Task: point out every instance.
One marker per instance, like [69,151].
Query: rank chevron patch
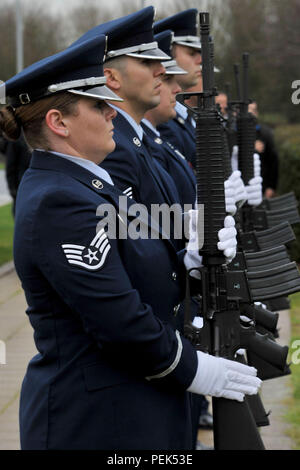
[92,257]
[128,192]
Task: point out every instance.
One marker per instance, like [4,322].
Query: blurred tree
[43,35]
[7,41]
[267,29]
[82,18]
[283,50]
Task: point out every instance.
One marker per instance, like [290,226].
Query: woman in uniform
[111,371]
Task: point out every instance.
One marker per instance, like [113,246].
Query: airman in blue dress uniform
[111,371]
[186,49]
[134,71]
[169,156]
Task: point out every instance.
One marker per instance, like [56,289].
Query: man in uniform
[134,71]
[169,156]
[186,49]
[180,131]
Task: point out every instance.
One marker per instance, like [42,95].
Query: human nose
[177,88]
[198,58]
[158,69]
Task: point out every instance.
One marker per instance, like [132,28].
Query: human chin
[155,101]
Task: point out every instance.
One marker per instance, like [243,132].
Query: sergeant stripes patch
[128,192]
[95,254]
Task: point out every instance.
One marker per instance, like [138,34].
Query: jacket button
[174,276]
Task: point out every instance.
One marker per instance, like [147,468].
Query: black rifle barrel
[209,156]
[237,81]
[246,129]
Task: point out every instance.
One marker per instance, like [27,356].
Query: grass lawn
[2,166]
[6,234]
[293,415]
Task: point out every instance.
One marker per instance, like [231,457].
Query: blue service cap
[131,35]
[184,26]
[164,41]
[78,70]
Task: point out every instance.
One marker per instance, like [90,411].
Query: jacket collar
[48,161]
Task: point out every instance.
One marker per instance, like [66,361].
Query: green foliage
[6,234]
[273,120]
[293,415]
[288,143]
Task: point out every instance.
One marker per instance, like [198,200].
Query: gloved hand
[234,158]
[239,187]
[229,192]
[235,163]
[227,237]
[261,305]
[227,243]
[192,259]
[221,377]
[254,191]
[256,164]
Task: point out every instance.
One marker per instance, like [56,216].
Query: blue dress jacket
[175,163]
[134,170]
[111,370]
[181,133]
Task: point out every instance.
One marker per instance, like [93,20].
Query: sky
[57,5]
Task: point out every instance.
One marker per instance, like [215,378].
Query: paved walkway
[275,394]
[17,334]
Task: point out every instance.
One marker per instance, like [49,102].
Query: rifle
[222,290]
[266,216]
[225,292]
[230,124]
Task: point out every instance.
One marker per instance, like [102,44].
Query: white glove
[192,259]
[227,243]
[261,305]
[235,162]
[198,322]
[229,192]
[239,187]
[254,191]
[257,164]
[221,377]
[227,237]
[234,158]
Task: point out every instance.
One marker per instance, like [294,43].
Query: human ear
[55,123]
[113,78]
